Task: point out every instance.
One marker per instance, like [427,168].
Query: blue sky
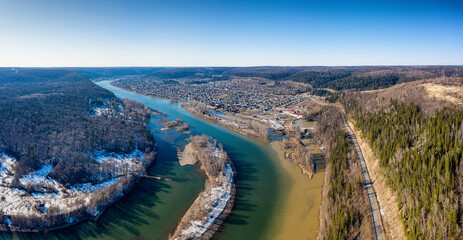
[229,33]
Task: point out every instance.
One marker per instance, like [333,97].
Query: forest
[48,117]
[210,154]
[107,72]
[422,158]
[368,78]
[188,72]
[347,212]
[337,78]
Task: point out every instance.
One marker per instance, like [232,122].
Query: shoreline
[95,218]
[210,119]
[283,199]
[213,120]
[324,204]
[87,216]
[305,171]
[142,94]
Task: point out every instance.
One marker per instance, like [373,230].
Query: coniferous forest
[422,159]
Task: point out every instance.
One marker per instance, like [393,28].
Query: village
[232,102]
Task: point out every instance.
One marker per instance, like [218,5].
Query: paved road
[375,211]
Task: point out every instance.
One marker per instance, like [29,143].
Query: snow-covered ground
[48,194]
[6,166]
[215,200]
[122,163]
[39,178]
[105,109]
[100,111]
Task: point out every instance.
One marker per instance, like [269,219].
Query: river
[270,190]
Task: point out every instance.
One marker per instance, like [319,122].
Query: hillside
[188,72]
[272,73]
[106,72]
[429,94]
[363,78]
[416,133]
[319,77]
[63,135]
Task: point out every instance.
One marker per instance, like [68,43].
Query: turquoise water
[153,208]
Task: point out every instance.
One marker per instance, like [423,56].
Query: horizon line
[245,66]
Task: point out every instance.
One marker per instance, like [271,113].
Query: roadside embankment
[385,195]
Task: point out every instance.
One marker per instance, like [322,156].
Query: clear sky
[229,33]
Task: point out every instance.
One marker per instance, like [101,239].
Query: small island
[178,123]
[214,203]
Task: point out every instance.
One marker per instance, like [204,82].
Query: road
[374,206]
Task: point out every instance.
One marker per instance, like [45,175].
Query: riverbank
[223,122]
[63,207]
[299,154]
[299,187]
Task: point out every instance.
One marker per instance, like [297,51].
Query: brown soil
[449,93]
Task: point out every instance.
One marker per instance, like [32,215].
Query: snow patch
[6,164]
[39,178]
[49,194]
[99,111]
[216,201]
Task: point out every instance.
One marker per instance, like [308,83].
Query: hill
[188,72]
[337,78]
[415,130]
[105,72]
[63,138]
[368,78]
